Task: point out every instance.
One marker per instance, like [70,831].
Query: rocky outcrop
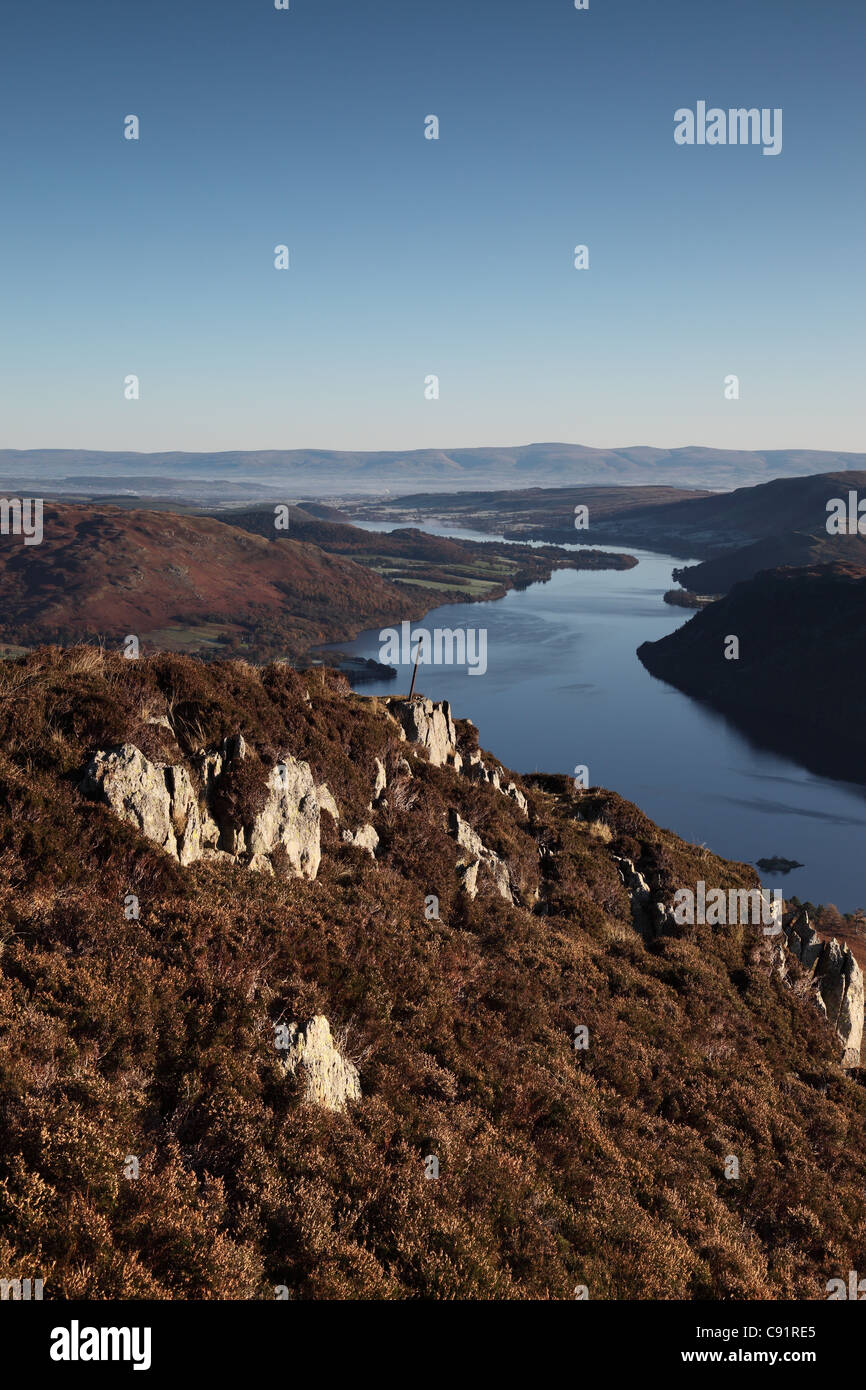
[431,726]
[474,856]
[428,724]
[158,800]
[364,837]
[478,771]
[290,820]
[838,981]
[329,1080]
[161,801]
[650,915]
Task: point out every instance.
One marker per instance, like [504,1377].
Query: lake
[563,687]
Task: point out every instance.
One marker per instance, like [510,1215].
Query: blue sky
[411,257]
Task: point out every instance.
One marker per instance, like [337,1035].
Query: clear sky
[412,257]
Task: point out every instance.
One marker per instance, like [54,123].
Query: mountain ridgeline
[355,472]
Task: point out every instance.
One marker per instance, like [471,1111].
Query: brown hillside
[103,571]
[154,1037]
[195,583]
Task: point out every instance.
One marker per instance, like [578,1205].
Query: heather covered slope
[154,1037]
[801,667]
[103,572]
[451,570]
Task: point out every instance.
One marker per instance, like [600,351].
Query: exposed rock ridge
[838,981]
[161,801]
[430,724]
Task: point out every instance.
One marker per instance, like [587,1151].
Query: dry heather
[154,1037]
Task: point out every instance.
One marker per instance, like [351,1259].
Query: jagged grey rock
[160,800]
[650,915]
[478,771]
[136,791]
[468,876]
[839,993]
[428,724]
[466,837]
[329,1079]
[803,941]
[474,854]
[290,818]
[327,802]
[380,781]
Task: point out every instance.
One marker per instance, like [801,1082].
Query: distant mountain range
[335,472]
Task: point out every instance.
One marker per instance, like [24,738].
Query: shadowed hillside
[801,670]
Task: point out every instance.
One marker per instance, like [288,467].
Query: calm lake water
[563,687]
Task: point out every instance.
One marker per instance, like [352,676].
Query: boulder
[516,794]
[290,819]
[329,1080]
[364,837]
[327,802]
[135,789]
